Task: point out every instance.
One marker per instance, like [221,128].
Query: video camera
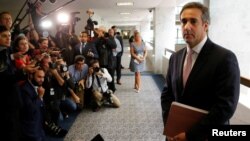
[90,23]
[74,19]
[31,6]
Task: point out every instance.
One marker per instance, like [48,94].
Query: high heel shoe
[137,90]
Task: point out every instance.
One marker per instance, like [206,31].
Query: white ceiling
[110,12]
[106,9]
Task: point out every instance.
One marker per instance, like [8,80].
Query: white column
[145,30]
[138,27]
[164,32]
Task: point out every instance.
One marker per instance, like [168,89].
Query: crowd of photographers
[44,79]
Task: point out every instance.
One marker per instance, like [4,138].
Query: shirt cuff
[12,56]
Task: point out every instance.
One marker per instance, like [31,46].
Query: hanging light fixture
[51,1]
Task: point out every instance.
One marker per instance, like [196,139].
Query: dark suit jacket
[31,113]
[10,102]
[68,55]
[104,48]
[88,47]
[213,85]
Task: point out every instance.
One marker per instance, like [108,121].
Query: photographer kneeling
[97,79]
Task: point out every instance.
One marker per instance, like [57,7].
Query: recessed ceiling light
[124,3]
[125,13]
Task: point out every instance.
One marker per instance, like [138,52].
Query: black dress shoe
[119,82]
[54,130]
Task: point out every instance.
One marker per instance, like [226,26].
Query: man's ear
[206,26]
[31,76]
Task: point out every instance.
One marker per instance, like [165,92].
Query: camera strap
[99,83]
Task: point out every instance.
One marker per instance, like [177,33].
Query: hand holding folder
[181,118]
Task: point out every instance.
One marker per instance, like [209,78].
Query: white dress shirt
[106,77]
[196,50]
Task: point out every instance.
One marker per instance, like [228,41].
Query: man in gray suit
[212,82]
[118,56]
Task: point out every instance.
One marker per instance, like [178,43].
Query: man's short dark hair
[3,28]
[205,12]
[113,26]
[84,32]
[79,58]
[92,62]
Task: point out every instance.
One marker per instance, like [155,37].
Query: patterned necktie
[188,66]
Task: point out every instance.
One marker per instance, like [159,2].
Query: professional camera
[63,68]
[52,65]
[78,87]
[108,96]
[96,69]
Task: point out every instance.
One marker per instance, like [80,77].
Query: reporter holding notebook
[202,75]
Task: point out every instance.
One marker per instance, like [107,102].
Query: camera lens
[63,68]
[96,69]
[52,65]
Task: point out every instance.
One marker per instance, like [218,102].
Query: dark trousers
[118,67]
[111,84]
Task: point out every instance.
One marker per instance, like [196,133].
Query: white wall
[164,24]
[145,30]
[230,28]
[182,2]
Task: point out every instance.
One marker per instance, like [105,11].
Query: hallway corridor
[139,117]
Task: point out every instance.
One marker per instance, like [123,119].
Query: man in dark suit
[85,48]
[214,81]
[10,101]
[32,111]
